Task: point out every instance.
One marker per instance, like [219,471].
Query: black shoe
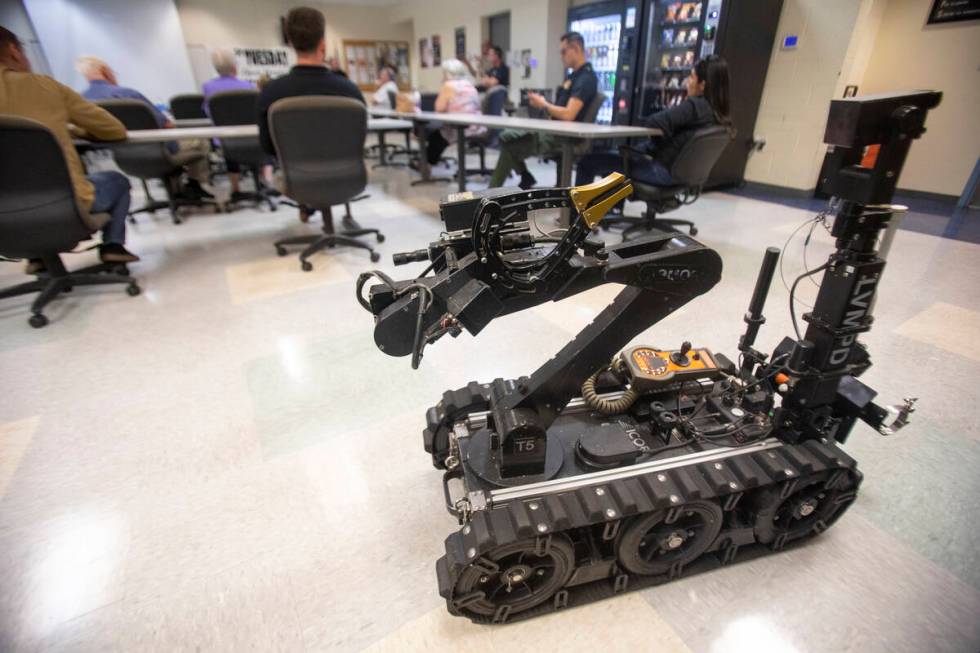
[35,266]
[116,253]
[193,190]
[239,196]
[527,181]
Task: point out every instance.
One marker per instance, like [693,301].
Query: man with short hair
[305,29]
[386,86]
[192,154]
[574,96]
[56,106]
[498,73]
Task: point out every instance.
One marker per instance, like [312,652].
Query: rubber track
[489,529]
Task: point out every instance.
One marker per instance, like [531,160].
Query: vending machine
[677,33]
[611,32]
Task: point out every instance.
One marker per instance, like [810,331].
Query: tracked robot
[612,469]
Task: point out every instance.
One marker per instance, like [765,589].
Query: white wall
[14,17]
[909,55]
[880,46]
[534,25]
[140,39]
[799,86]
[227,23]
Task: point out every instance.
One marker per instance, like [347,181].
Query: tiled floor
[227,462]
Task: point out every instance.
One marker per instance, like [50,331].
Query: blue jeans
[642,168]
[112,197]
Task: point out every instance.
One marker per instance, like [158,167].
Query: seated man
[575,94]
[305,29]
[227,80]
[386,86]
[191,153]
[499,72]
[54,105]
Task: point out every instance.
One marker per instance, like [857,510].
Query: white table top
[181,133]
[557,127]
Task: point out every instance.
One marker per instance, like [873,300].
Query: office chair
[320,143]
[238,108]
[151,160]
[188,106]
[491,105]
[584,145]
[689,171]
[40,217]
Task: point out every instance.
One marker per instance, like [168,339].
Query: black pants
[435,146]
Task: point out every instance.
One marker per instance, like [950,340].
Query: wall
[534,25]
[909,55]
[14,17]
[141,41]
[227,23]
[799,86]
[880,46]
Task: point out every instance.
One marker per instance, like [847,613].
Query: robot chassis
[603,472]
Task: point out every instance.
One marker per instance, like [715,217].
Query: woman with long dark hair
[707,103]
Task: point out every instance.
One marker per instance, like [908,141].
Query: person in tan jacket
[67,114]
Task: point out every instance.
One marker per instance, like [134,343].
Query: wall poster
[461,43]
[425,53]
[436,50]
[949,11]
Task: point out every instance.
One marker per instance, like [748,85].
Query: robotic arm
[489,263]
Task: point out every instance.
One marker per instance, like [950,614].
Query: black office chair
[238,108]
[40,217]
[320,143]
[151,160]
[189,106]
[491,105]
[689,171]
[584,145]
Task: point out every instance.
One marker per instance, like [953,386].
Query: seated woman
[457,95]
[706,104]
[386,88]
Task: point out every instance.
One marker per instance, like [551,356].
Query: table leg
[382,155]
[565,175]
[461,156]
[424,168]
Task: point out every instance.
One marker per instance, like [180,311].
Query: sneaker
[239,196]
[116,253]
[35,266]
[527,181]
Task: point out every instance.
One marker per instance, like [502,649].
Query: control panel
[657,370]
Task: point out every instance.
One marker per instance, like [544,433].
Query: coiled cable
[603,405]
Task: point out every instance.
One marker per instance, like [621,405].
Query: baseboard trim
[926,195]
[779,191]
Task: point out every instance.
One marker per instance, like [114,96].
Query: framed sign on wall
[950,11]
[363,60]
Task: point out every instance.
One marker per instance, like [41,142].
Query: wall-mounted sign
[790,41]
[949,11]
[461,43]
[253,63]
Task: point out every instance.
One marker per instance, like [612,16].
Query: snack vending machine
[611,33]
[676,33]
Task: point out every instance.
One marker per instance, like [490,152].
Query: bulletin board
[363,60]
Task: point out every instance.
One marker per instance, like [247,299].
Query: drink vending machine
[659,42]
[611,33]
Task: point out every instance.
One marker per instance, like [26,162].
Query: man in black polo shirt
[574,96]
[499,73]
[310,76]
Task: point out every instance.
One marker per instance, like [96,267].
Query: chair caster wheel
[131,220]
[67,288]
[375,257]
[273,208]
[280,251]
[37,321]
[177,220]
[694,231]
[306,265]
[132,290]
[380,237]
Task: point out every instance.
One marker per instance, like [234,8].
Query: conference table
[569,133]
